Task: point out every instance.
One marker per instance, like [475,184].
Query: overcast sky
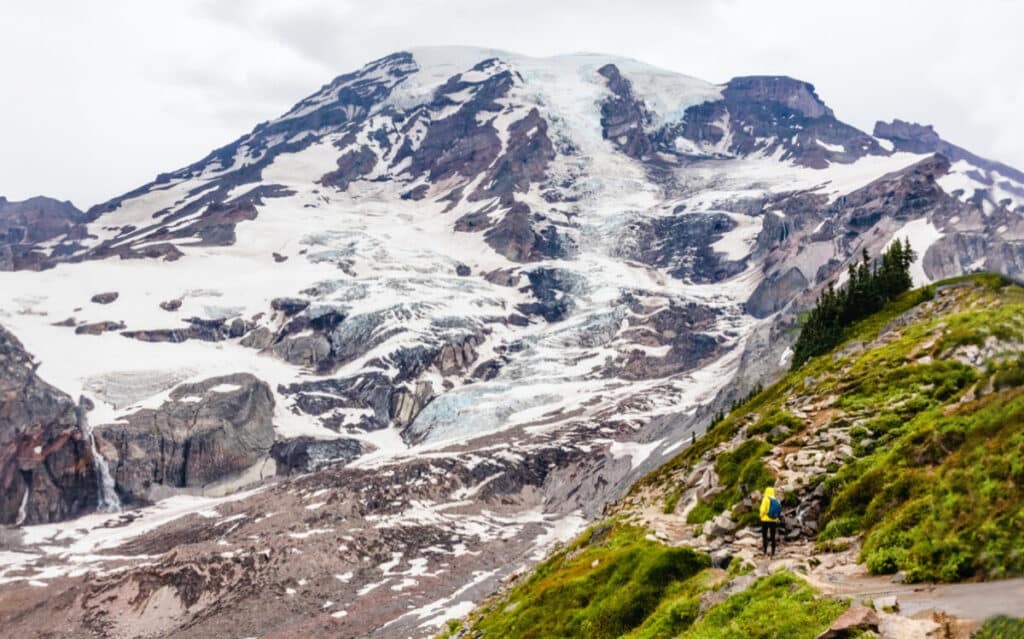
[100,96]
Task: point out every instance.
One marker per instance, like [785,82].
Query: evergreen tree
[870,285]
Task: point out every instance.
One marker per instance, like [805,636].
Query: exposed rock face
[683,246]
[772,114]
[305,454]
[207,330]
[920,138]
[46,471]
[204,433]
[775,292]
[553,290]
[624,118]
[992,181]
[25,224]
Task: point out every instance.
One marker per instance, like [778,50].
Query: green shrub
[606,587]
[1001,628]
[781,605]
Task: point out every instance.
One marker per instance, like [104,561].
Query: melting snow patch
[835,148]
[636,452]
[310,533]
[922,234]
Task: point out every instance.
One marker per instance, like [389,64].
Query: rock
[305,350]
[855,619]
[775,292]
[887,604]
[104,298]
[260,338]
[46,469]
[207,330]
[237,328]
[204,432]
[278,257]
[462,270]
[306,454]
[171,305]
[289,305]
[721,559]
[722,525]
[97,328]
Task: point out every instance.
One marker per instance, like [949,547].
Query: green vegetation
[777,427]
[778,606]
[935,483]
[607,585]
[616,583]
[941,493]
[1001,628]
[868,289]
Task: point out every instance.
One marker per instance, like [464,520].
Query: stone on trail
[856,618]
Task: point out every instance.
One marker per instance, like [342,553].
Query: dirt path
[976,601]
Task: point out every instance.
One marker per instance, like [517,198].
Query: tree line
[870,285]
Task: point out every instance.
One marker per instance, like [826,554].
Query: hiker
[771,512]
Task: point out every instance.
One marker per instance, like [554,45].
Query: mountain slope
[454,302]
[917,468]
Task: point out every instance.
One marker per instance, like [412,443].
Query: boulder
[97,328]
[260,338]
[205,432]
[104,298]
[856,619]
[289,305]
[304,350]
[721,559]
[722,525]
[46,467]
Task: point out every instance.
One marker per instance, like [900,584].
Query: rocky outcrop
[205,432]
[27,224]
[683,246]
[207,330]
[770,115]
[97,328]
[624,117]
[305,454]
[775,292]
[922,138]
[46,469]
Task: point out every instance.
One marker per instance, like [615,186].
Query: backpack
[774,508]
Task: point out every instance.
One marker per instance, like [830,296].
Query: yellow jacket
[765,501]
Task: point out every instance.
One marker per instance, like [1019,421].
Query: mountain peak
[795,94]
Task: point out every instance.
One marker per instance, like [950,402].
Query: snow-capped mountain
[478,293]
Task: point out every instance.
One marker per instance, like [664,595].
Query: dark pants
[768,529]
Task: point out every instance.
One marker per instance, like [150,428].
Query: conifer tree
[870,285]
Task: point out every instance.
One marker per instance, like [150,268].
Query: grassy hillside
[923,405]
[906,442]
[615,582]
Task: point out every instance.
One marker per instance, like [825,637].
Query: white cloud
[100,96]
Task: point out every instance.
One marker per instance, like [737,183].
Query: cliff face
[46,469]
